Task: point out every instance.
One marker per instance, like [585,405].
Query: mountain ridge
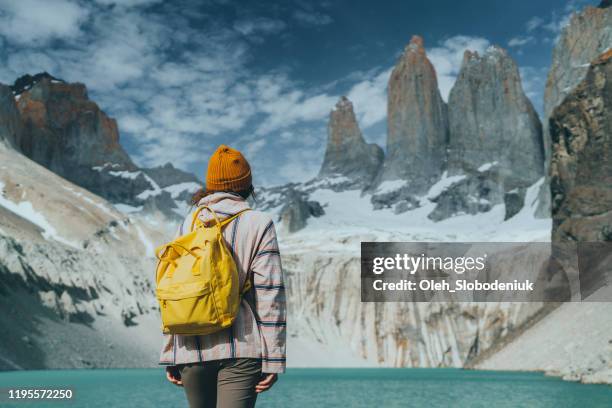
[56,124]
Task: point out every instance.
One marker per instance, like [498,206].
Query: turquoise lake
[381,388]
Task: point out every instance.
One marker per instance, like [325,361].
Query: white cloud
[134,123]
[35,61]
[533,23]
[177,89]
[253,147]
[168,147]
[447,58]
[312,18]
[557,23]
[520,41]
[128,3]
[301,165]
[259,25]
[533,80]
[284,105]
[40,21]
[174,74]
[369,99]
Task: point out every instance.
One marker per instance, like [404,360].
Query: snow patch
[442,184]
[327,181]
[127,209]
[98,205]
[105,166]
[350,219]
[156,190]
[149,247]
[25,210]
[130,175]
[176,189]
[390,186]
[487,166]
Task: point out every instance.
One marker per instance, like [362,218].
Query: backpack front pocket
[188,309]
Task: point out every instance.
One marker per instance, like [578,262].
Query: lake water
[381,388]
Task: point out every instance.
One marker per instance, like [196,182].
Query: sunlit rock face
[417,121]
[55,124]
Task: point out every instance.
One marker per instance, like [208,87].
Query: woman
[227,369]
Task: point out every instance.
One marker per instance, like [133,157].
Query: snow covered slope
[328,321]
[322,268]
[75,279]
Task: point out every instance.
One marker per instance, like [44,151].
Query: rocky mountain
[76,278]
[417,122]
[76,266]
[581,166]
[586,36]
[55,124]
[347,153]
[581,189]
[495,138]
[79,222]
[10,123]
[491,120]
[65,131]
[478,197]
[483,150]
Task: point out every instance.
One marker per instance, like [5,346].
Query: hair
[203,192]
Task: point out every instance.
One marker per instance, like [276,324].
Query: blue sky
[182,77]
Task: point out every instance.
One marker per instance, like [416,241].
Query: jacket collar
[225,204]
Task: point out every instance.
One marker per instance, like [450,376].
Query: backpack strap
[230,219]
[219,223]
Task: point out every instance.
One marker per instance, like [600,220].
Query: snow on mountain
[322,268]
[351,213]
[76,269]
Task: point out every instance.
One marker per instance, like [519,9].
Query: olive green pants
[222,383]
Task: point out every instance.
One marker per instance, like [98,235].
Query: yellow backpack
[197,280]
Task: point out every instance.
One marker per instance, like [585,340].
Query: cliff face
[10,122]
[55,124]
[323,290]
[347,153]
[491,120]
[587,35]
[70,135]
[417,121]
[75,279]
[65,131]
[573,341]
[581,166]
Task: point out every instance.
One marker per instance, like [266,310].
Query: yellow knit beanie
[228,170]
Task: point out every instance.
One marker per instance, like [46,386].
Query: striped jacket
[259,330]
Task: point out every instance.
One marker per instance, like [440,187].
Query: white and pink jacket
[260,327]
